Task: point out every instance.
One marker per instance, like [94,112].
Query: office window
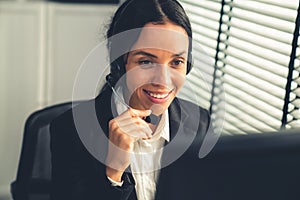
[254,44]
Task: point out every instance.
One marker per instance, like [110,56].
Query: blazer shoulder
[194,111]
[66,121]
[63,128]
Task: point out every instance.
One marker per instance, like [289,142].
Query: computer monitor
[255,166]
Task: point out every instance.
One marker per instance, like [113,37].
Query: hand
[124,130]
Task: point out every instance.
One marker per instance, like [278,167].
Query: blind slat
[196,16]
[211,5]
[198,25]
[293,124]
[252,119]
[254,81]
[239,125]
[264,42]
[271,23]
[264,9]
[248,119]
[210,50]
[207,34]
[257,72]
[258,51]
[267,65]
[261,106]
[292,5]
[271,99]
[255,28]
[230,128]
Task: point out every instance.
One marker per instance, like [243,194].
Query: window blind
[251,42]
[204,17]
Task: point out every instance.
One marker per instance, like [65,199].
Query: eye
[144,62]
[178,63]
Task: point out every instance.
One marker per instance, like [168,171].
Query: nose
[162,76]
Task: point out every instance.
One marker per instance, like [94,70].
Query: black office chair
[34,170]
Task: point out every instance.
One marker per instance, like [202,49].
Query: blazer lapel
[174,118]
[183,119]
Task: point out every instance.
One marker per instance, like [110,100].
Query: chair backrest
[34,170]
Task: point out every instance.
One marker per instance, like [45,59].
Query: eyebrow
[179,54]
[144,53]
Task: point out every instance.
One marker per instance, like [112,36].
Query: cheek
[136,77]
[179,82]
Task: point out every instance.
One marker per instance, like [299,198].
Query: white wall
[72,35]
[41,47]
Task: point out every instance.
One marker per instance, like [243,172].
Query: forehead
[168,36]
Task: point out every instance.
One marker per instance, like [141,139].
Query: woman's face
[156,66]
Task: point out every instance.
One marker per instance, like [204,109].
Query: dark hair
[134,14]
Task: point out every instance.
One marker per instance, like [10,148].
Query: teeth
[158,96]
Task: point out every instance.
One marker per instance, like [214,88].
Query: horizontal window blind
[291,117]
[251,42]
[204,17]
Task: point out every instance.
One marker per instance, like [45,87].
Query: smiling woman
[149,44]
[156,67]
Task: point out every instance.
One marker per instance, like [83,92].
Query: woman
[143,82]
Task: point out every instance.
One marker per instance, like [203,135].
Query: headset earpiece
[110,80]
[117,70]
[189,63]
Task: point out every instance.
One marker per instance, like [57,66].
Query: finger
[130,127]
[145,130]
[134,120]
[136,134]
[139,113]
[126,117]
[126,122]
[130,121]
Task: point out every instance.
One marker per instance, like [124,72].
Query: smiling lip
[157,97]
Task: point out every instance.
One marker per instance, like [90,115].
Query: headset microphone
[153,119]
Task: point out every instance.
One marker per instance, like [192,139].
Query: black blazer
[78,142]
